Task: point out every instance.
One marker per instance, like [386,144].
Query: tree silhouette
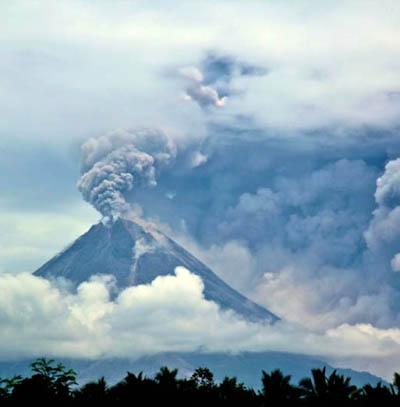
[233,393]
[376,395]
[7,386]
[50,383]
[330,390]
[167,378]
[58,374]
[132,387]
[93,392]
[395,387]
[54,384]
[277,388]
[203,377]
[167,386]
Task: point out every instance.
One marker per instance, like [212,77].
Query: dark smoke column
[114,164]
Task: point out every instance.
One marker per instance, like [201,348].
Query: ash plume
[210,83]
[114,164]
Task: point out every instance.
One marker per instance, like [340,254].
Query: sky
[265,140]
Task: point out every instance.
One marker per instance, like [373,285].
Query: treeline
[55,384]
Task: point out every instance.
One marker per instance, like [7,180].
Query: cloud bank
[170,314]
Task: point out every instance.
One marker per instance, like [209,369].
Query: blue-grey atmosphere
[200,176]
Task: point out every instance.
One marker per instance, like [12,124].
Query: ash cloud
[114,164]
[383,233]
[388,185]
[284,220]
[209,84]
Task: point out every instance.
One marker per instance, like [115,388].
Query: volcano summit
[135,253]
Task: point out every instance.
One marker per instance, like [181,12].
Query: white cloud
[196,90]
[388,185]
[334,65]
[198,159]
[170,314]
[383,233]
[325,299]
[395,263]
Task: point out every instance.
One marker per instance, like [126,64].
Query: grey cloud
[289,208]
[395,262]
[388,185]
[307,236]
[325,203]
[209,83]
[204,95]
[301,237]
[221,69]
[383,233]
[73,88]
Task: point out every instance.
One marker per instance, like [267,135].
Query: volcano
[135,253]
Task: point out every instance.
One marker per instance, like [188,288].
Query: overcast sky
[276,155]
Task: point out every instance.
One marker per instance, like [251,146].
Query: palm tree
[233,393]
[166,386]
[167,378]
[132,387]
[93,392]
[376,395]
[329,390]
[43,367]
[395,387]
[316,388]
[277,388]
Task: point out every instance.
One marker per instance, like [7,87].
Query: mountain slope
[136,253]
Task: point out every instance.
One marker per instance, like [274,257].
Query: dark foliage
[49,383]
[52,383]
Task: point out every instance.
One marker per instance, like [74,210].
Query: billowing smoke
[383,234]
[196,90]
[388,185]
[114,164]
